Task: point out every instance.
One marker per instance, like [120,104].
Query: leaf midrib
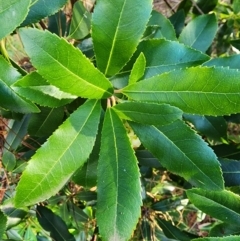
[116,159]
[216,202]
[70,71]
[114,39]
[179,91]
[5,9]
[57,161]
[207,177]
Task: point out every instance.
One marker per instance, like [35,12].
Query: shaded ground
[166,7]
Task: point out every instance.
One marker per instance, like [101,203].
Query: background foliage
[119,122]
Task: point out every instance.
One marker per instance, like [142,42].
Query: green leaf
[173,232]
[120,29]
[86,176]
[146,230]
[224,229]
[227,151]
[65,61]
[12,13]
[231,171]
[138,69]
[44,123]
[119,188]
[185,5]
[178,20]
[200,32]
[77,213]
[145,158]
[165,29]
[235,43]
[30,234]
[41,9]
[236,6]
[204,6]
[8,160]
[229,238]
[197,90]
[87,196]
[211,126]
[9,99]
[57,23]
[14,216]
[3,223]
[171,145]
[155,52]
[17,130]
[53,224]
[148,113]
[64,152]
[223,205]
[36,89]
[81,22]
[232,62]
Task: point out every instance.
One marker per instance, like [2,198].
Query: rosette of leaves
[137,80]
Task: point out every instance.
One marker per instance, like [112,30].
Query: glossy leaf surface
[228,238]
[9,99]
[178,20]
[204,6]
[44,123]
[195,166]
[41,9]
[173,232]
[161,56]
[53,224]
[211,126]
[8,160]
[138,69]
[119,188]
[223,205]
[17,130]
[200,32]
[231,171]
[35,88]
[165,28]
[12,13]
[81,22]
[57,23]
[232,62]
[120,29]
[223,229]
[64,152]
[148,113]
[197,90]
[87,175]
[64,65]
[3,223]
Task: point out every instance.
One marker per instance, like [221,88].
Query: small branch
[118,91]
[196,6]
[108,103]
[167,3]
[113,100]
[43,25]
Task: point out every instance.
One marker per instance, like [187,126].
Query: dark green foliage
[126,126]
